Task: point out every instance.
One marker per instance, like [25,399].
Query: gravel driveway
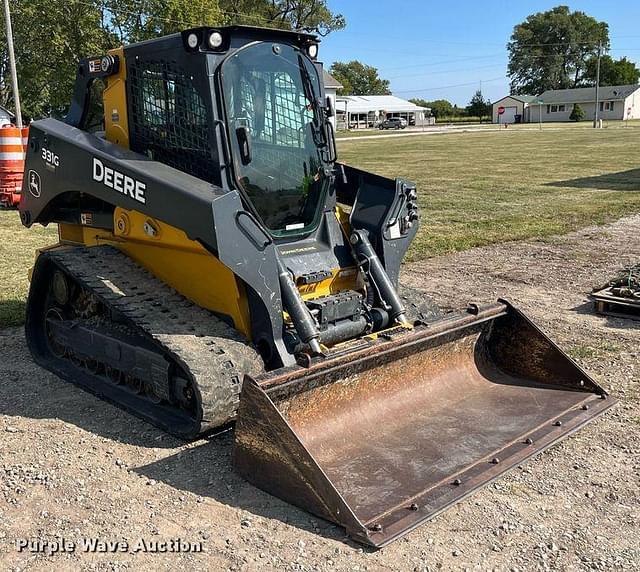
[72,467]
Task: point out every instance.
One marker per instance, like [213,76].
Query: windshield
[271,95]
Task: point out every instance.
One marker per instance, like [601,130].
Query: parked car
[393,123]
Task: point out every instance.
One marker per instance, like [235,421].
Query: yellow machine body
[172,257]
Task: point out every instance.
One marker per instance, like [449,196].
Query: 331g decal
[50,158]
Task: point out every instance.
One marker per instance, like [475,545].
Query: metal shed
[362,111]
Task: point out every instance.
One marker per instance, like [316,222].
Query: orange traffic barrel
[13,146]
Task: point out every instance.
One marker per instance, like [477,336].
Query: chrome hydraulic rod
[377,275]
[300,316]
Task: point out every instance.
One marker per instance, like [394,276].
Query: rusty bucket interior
[384,438]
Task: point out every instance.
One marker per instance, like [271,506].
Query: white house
[615,102]
[5,116]
[331,86]
[361,111]
[514,106]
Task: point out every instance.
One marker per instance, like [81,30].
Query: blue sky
[428,49]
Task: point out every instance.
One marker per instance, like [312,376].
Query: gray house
[615,102]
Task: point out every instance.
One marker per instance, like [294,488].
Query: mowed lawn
[480,188]
[17,252]
[474,189]
[446,125]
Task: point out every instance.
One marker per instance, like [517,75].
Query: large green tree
[308,15]
[49,39]
[125,19]
[550,50]
[359,79]
[135,20]
[612,72]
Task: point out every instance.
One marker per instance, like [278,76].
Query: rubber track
[214,354]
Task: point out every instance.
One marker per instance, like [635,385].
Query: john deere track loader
[216,263]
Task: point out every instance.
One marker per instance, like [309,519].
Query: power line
[455,70]
[464,43]
[449,86]
[431,65]
[489,66]
[465,57]
[461,59]
[545,44]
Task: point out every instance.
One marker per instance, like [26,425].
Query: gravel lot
[73,467]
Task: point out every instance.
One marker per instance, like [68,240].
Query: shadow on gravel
[612,321]
[622,181]
[27,390]
[206,470]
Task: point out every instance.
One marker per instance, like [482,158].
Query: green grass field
[17,252]
[481,188]
[343,134]
[474,189]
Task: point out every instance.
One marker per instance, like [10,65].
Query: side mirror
[244,143]
[330,111]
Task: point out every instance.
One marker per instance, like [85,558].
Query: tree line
[478,107]
[50,37]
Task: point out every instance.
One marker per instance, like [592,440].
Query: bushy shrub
[577,114]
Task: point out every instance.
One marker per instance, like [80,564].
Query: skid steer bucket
[381,439]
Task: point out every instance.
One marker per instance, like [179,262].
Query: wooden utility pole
[12,65]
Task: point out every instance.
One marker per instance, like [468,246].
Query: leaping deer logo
[35,187]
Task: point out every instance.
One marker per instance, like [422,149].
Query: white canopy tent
[361,111]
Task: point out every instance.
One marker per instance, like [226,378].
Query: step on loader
[216,263]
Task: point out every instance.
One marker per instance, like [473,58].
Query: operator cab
[259,91]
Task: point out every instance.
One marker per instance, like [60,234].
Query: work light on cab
[192,40]
[215,40]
